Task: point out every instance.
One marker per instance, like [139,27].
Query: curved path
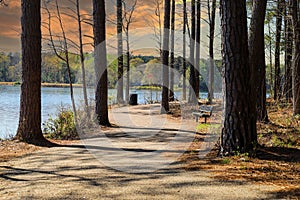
[137,160]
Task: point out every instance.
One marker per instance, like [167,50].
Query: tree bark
[296,59]
[29,129]
[288,91]
[257,59]
[127,68]
[271,62]
[239,128]
[211,73]
[197,57]
[277,49]
[192,90]
[100,62]
[120,97]
[165,59]
[296,72]
[172,59]
[184,51]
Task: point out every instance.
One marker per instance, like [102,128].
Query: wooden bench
[204,111]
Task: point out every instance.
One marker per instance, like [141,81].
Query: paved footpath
[137,160]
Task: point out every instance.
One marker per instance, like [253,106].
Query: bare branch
[3,3]
[128,15]
[50,33]
[87,21]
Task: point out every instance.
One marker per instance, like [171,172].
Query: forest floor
[277,160]
[73,171]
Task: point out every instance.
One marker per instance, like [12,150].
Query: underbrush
[277,160]
[62,126]
[283,130]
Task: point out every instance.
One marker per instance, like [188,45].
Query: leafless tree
[156,21]
[78,47]
[127,21]
[82,58]
[3,3]
[61,48]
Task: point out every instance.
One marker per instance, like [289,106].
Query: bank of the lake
[56,85]
[52,99]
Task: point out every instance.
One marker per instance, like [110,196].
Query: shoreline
[57,85]
[67,85]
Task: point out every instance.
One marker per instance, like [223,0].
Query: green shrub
[17,83]
[62,127]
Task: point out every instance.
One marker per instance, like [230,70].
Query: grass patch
[207,127]
[225,161]
[146,87]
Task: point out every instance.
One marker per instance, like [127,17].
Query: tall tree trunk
[192,91]
[120,97]
[296,59]
[184,51]
[271,62]
[82,58]
[197,57]
[288,91]
[127,68]
[239,129]
[29,129]
[172,59]
[165,59]
[100,62]
[257,59]
[277,49]
[128,15]
[211,73]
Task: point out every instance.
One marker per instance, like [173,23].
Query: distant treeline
[145,70]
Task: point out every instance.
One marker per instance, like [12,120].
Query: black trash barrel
[133,101]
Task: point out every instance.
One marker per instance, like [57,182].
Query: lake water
[52,99]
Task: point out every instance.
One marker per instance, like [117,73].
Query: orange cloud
[144,20]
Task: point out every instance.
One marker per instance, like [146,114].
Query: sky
[10,26]
[141,32]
